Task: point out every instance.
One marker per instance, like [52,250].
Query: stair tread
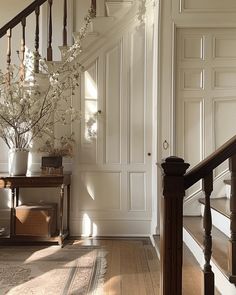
[192,274]
[219,241]
[221,205]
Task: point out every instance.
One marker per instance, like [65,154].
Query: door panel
[113,104]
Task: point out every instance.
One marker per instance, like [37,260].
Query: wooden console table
[36,181]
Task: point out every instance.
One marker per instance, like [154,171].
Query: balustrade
[21,18]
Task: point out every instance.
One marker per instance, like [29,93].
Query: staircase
[211,237]
[101,25]
[109,14]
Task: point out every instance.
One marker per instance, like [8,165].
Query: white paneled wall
[205,93]
[197,82]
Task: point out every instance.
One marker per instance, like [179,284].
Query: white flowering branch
[29,108]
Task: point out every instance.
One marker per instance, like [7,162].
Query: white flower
[28,108]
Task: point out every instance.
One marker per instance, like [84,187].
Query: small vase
[18,161]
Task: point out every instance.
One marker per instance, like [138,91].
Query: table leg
[12,223]
[17,196]
[61,209]
[68,209]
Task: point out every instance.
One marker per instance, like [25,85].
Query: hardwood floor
[133,267]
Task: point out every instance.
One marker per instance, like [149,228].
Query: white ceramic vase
[18,161]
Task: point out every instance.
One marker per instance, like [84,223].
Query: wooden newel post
[232,241]
[172,225]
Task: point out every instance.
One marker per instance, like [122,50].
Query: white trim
[110,216]
[115,228]
[155,227]
[155,246]
[173,92]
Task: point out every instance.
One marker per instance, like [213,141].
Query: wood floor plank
[192,274]
[154,269]
[128,269]
[115,278]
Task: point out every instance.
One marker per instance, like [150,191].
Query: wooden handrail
[18,18]
[211,162]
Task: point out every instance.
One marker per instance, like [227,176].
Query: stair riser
[219,221]
[117,8]
[221,282]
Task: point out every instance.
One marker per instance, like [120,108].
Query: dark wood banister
[211,162]
[18,18]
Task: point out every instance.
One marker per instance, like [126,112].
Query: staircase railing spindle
[22,48]
[9,35]
[36,52]
[49,49]
[207,225]
[64,37]
[94,6]
[232,240]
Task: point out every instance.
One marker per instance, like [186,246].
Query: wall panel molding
[137,95]
[137,191]
[113,90]
[207,6]
[100,190]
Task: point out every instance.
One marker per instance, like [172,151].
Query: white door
[205,94]
[112,175]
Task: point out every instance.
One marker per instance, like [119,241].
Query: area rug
[51,270]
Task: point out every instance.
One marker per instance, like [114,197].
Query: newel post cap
[174,166]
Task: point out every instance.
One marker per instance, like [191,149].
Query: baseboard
[112,228]
[156,246]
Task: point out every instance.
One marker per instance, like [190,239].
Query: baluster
[207,225]
[65,24]
[36,52]
[94,6]
[8,56]
[232,241]
[22,49]
[49,49]
[172,225]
